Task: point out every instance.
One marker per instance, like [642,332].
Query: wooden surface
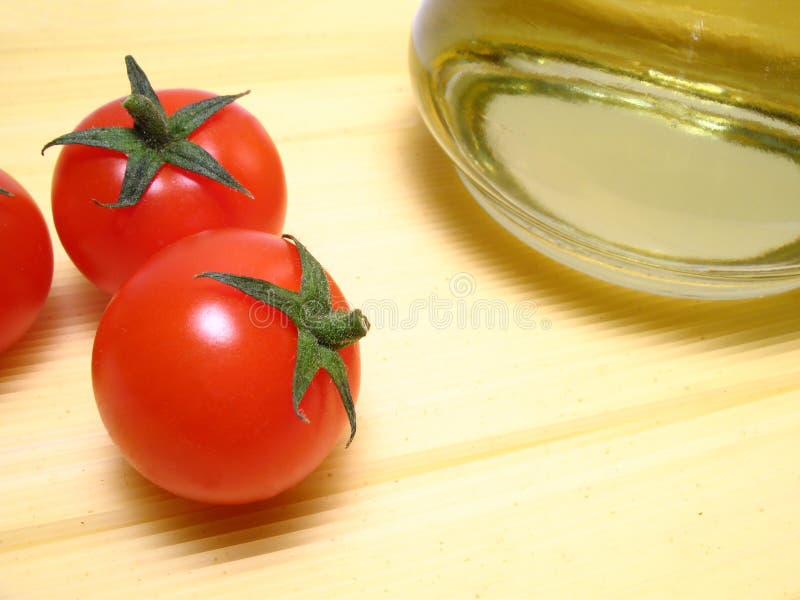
[601,444]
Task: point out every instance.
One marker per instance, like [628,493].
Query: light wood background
[601,444]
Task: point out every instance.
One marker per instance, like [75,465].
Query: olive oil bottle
[653,143]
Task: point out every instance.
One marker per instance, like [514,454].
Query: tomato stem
[321,329]
[149,120]
[155,139]
[338,328]
[6,192]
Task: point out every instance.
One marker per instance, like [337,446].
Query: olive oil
[648,143]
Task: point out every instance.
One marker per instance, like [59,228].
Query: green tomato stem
[155,139]
[149,120]
[321,330]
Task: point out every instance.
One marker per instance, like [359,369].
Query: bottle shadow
[562,290]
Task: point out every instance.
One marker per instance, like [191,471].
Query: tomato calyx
[155,139]
[6,193]
[321,329]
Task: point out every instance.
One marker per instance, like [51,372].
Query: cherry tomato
[109,244]
[193,378]
[26,261]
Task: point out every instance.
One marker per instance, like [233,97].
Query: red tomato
[109,244]
[193,378]
[26,261]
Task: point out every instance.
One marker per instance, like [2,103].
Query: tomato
[26,261]
[109,244]
[194,378]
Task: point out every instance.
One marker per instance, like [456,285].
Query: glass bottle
[652,143]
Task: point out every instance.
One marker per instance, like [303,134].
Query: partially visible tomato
[26,261]
[109,244]
[194,378]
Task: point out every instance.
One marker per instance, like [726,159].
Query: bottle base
[643,273]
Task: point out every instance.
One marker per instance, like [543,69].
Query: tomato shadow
[559,290]
[73,309]
[214,534]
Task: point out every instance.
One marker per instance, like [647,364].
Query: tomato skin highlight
[193,378]
[109,244]
[26,261]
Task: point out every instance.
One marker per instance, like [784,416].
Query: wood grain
[602,444]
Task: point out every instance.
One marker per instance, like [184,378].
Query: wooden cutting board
[595,443]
